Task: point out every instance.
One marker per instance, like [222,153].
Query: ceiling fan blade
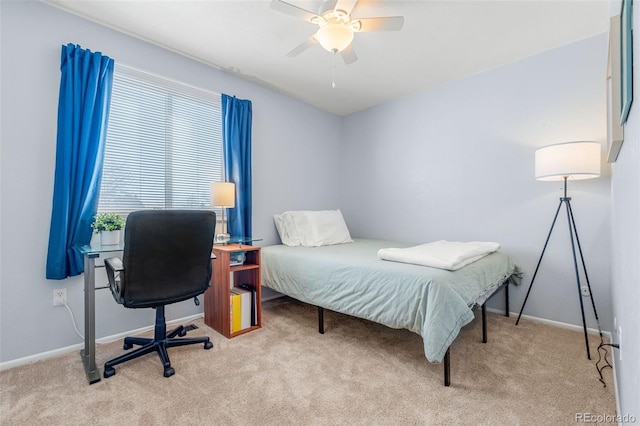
[388,23]
[326,5]
[289,9]
[302,47]
[346,5]
[349,55]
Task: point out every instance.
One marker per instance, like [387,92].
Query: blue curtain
[236,137]
[83,111]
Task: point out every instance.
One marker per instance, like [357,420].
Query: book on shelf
[235,305]
[245,307]
[252,289]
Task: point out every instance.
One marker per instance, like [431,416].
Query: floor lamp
[563,162]
[223,195]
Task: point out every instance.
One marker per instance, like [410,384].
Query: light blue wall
[625,254]
[293,167]
[456,162]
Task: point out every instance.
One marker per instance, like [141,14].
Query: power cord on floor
[603,350]
[73,321]
[75,327]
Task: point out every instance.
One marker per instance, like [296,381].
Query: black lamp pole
[573,232]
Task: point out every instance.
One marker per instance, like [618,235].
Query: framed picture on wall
[626,51]
[615,130]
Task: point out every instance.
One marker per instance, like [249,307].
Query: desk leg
[88,354]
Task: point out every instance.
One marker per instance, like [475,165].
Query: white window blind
[164,144]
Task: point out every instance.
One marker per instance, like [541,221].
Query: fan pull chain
[333,69]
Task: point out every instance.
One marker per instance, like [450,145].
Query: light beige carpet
[358,372]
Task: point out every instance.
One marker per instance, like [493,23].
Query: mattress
[349,278]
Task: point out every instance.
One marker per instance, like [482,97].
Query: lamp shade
[334,37]
[223,194]
[574,160]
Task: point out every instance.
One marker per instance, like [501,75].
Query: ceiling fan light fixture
[334,37]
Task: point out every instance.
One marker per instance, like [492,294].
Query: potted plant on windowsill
[108,225]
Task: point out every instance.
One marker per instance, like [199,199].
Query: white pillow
[313,228]
[286,230]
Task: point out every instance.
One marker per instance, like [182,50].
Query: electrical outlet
[59,296]
[585,291]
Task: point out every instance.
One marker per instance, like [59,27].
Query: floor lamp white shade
[223,195]
[572,160]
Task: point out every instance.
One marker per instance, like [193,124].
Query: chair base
[160,343]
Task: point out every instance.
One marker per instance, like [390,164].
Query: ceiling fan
[336,27]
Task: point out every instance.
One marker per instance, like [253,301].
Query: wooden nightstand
[217,299]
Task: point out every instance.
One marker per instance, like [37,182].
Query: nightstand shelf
[217,299]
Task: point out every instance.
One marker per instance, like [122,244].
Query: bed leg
[484,323]
[506,297]
[447,368]
[320,320]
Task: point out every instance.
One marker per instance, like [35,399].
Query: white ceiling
[440,41]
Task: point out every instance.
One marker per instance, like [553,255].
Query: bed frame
[447,357]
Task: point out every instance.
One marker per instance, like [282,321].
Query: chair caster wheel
[168,372]
[182,333]
[208,345]
[127,346]
[108,372]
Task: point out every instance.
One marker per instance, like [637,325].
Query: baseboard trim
[107,339]
[615,383]
[552,322]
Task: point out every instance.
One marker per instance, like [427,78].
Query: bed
[350,278]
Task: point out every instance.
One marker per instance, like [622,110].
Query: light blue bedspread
[349,278]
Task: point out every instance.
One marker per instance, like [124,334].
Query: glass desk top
[239,240]
[99,248]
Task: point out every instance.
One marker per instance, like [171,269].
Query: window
[164,144]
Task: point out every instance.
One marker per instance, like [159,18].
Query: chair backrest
[167,256]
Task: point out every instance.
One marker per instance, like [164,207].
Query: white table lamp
[223,195]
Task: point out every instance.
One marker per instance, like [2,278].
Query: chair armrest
[115,274]
[114,263]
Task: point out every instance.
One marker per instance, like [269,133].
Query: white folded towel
[450,255]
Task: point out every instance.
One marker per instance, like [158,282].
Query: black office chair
[166,259]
